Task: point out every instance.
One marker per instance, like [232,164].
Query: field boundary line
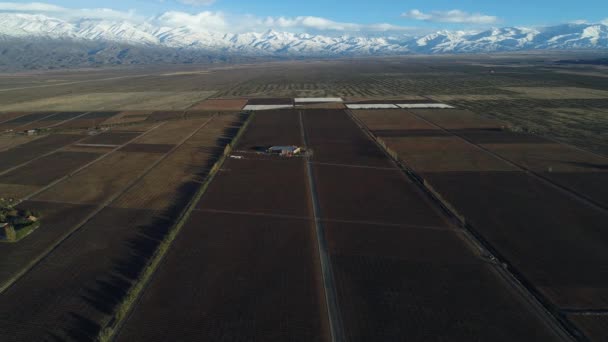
[130,300]
[329,284]
[67,120]
[357,166]
[554,140]
[10,282]
[40,156]
[295,217]
[16,117]
[563,189]
[37,120]
[545,311]
[80,169]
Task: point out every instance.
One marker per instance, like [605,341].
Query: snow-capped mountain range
[567,36]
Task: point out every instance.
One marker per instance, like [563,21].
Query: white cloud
[203,21]
[452,16]
[197,2]
[208,20]
[323,24]
[605,21]
[68,13]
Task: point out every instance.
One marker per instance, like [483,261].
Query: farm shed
[285,150]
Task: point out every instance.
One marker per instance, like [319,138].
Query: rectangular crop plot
[147,148]
[101,180]
[270,101]
[57,219]
[373,196]
[558,243]
[171,132]
[84,277]
[396,299]
[242,278]
[57,119]
[89,120]
[458,119]
[47,169]
[582,172]
[269,128]
[110,138]
[595,327]
[25,152]
[272,186]
[221,104]
[165,115]
[335,138]
[442,153]
[379,120]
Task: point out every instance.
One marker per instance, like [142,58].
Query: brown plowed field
[7,116]
[335,138]
[594,327]
[128,117]
[47,169]
[101,180]
[322,105]
[136,127]
[396,101]
[165,115]
[16,191]
[147,148]
[240,277]
[88,120]
[392,119]
[390,299]
[173,182]
[53,120]
[25,152]
[20,121]
[360,194]
[10,141]
[557,242]
[110,138]
[83,278]
[270,101]
[220,104]
[273,127]
[171,132]
[57,219]
[443,154]
[275,186]
[582,172]
[458,119]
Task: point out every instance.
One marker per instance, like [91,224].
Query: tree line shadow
[111,288]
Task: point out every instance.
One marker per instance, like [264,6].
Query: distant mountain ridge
[33,41]
[567,36]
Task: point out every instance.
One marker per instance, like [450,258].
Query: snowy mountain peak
[272,42]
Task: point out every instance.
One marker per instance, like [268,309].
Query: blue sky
[337,15]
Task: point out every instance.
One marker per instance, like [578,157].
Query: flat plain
[483,222]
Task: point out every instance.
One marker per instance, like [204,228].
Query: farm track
[329,283]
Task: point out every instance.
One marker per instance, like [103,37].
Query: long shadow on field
[110,290]
[587,165]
